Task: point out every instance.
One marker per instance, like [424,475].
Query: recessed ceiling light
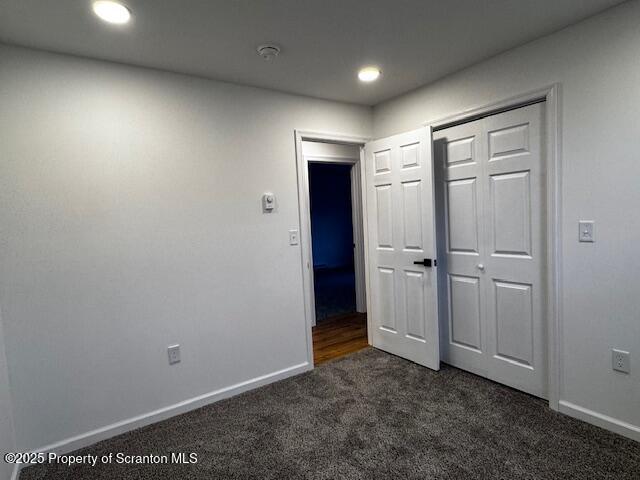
[369,74]
[112,12]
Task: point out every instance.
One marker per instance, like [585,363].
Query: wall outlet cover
[174,354]
[621,361]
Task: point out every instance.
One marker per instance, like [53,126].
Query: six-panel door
[400,217]
[492,173]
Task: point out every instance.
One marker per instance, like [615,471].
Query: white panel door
[460,189]
[491,182]
[400,222]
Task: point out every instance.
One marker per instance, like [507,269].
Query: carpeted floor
[372,416]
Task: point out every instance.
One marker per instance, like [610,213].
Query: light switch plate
[174,354]
[620,360]
[586,233]
[293,237]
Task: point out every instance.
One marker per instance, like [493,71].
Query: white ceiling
[324,42]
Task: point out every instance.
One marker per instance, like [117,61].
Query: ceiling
[324,42]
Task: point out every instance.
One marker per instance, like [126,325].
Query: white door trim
[357,220]
[302,166]
[552,128]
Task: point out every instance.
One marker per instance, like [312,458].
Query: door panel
[491,171]
[462,215]
[384,213]
[514,321]
[461,152]
[464,308]
[400,217]
[412,221]
[386,298]
[382,161]
[508,141]
[410,155]
[511,213]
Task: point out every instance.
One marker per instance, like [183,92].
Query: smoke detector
[268,51]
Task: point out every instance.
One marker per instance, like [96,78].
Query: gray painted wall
[597,64]
[131,220]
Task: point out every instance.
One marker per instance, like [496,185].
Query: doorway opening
[332,220]
[332,239]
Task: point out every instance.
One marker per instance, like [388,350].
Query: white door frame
[306,252]
[551,94]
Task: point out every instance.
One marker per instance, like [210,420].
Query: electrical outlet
[293,237]
[174,354]
[620,360]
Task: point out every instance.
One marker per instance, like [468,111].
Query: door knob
[481,267]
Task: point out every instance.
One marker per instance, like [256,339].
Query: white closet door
[400,217]
[493,174]
[515,264]
[458,152]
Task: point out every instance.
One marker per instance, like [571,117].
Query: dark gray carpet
[372,416]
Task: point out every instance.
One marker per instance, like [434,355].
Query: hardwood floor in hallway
[334,338]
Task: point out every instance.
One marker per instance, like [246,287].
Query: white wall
[598,66]
[7,440]
[130,206]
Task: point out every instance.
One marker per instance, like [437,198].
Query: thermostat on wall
[268,202]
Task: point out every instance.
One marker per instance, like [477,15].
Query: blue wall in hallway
[331,223]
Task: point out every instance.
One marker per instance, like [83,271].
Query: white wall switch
[293,237]
[174,354]
[620,360]
[268,202]
[586,231]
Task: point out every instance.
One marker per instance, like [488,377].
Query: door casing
[302,164]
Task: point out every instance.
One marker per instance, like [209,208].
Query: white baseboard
[600,420]
[94,436]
